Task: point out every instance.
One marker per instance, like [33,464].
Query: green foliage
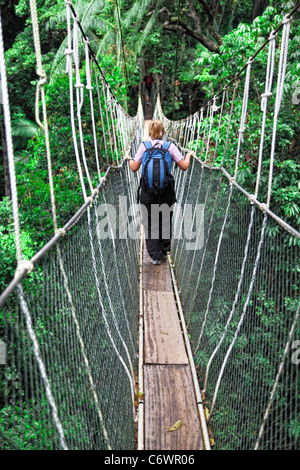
[20,59]
[8,250]
[201,74]
[216,70]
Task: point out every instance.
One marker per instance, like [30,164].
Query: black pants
[157,212]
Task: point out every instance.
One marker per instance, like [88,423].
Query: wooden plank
[164,342]
[156,277]
[169,397]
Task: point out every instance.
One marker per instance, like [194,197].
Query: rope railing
[239,285]
[80,333]
[69,316]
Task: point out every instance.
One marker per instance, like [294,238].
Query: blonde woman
[156,219]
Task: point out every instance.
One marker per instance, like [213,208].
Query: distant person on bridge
[157,188]
[148,83]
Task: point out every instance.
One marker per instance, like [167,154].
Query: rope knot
[95,193]
[264,97]
[89,199]
[286,19]
[236,81]
[266,94]
[68,51]
[272,35]
[61,231]
[26,265]
[263,207]
[42,76]
[251,198]
[214,106]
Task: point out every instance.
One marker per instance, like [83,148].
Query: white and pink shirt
[175,154]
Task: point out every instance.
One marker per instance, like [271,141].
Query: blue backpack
[156,168]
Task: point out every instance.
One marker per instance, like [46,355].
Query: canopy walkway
[101,350]
[168,391]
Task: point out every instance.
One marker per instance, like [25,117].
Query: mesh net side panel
[73,335]
[213,288]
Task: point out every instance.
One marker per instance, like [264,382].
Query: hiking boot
[155,261]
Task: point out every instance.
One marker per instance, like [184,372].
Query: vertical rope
[79,98]
[267,93]
[10,149]
[212,109]
[109,101]
[41,92]
[279,93]
[215,267]
[69,55]
[276,382]
[90,89]
[241,278]
[103,310]
[243,116]
[42,368]
[101,115]
[107,120]
[220,120]
[230,117]
[253,278]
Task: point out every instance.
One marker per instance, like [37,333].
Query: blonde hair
[156,129]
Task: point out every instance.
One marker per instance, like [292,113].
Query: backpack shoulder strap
[147,145]
[166,145]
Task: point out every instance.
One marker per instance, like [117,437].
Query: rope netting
[69,318]
[68,329]
[237,266]
[85,325]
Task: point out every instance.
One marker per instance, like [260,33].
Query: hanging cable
[10,149]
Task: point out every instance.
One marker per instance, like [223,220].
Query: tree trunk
[258,8]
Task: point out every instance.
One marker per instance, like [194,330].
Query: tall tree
[193,20]
[258,7]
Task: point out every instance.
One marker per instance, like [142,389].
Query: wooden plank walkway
[169,393]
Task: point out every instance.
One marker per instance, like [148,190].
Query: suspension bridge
[102,350]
